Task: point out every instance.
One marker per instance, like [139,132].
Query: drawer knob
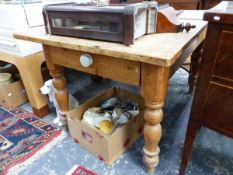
[86,60]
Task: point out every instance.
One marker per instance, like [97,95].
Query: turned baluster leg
[153,88]
[59,83]
[195,59]
[61,92]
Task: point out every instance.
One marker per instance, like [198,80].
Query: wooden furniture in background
[149,63]
[124,1]
[207,4]
[167,21]
[29,68]
[26,56]
[182,4]
[213,98]
[191,63]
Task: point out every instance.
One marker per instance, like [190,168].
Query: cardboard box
[106,147]
[13,94]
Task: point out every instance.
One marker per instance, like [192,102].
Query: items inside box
[107,147]
[12,91]
[5,78]
[110,114]
[8,74]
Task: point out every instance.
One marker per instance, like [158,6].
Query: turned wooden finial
[187,27]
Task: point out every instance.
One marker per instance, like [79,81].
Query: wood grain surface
[159,49]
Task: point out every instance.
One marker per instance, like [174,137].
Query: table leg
[59,83]
[32,80]
[195,59]
[30,72]
[154,89]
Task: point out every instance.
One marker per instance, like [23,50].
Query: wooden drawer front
[224,60]
[114,68]
[218,107]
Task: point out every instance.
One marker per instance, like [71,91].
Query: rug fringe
[21,166]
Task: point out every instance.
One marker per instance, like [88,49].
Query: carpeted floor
[212,153]
[21,136]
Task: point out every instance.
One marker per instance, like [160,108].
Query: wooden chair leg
[192,128]
[195,59]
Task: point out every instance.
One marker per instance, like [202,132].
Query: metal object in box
[118,23]
[106,147]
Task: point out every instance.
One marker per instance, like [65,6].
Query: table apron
[125,71]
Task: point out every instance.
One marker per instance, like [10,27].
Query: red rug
[22,134]
[80,170]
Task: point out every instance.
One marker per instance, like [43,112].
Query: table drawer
[126,71]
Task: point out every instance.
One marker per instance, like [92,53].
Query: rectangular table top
[192,14]
[160,48]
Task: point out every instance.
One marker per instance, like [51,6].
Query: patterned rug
[80,170]
[21,136]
